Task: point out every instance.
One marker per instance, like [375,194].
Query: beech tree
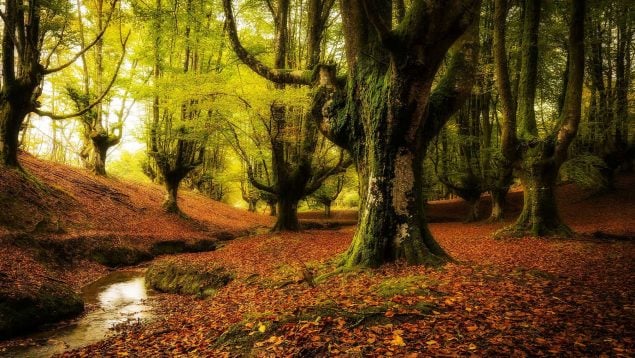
[293,171]
[537,159]
[388,109]
[33,32]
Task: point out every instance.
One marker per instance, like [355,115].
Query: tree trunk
[539,217]
[170,204]
[9,134]
[287,215]
[498,192]
[97,158]
[327,209]
[272,208]
[473,210]
[392,224]
[498,197]
[252,206]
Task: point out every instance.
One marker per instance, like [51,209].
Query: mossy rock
[175,277]
[118,256]
[53,302]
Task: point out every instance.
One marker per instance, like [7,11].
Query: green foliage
[586,171]
[129,166]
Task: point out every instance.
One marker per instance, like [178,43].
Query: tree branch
[571,111]
[387,37]
[282,76]
[325,173]
[456,84]
[97,101]
[326,107]
[85,49]
[503,84]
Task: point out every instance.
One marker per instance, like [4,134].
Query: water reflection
[119,297]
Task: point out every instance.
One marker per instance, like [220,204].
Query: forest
[317,178]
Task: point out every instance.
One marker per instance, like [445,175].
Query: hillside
[63,227]
[71,202]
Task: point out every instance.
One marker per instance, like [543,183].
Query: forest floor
[518,297]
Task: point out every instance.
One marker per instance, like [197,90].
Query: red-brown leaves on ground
[521,297]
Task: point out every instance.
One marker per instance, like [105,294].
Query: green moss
[409,285]
[176,277]
[51,303]
[118,256]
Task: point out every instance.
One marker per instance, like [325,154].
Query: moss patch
[177,277]
[51,303]
[118,256]
[409,285]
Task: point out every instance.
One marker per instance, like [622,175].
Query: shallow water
[114,299]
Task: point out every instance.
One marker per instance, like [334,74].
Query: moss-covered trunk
[287,219]
[97,158]
[538,173]
[392,224]
[498,197]
[327,209]
[170,204]
[11,119]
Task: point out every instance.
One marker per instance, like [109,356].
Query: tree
[538,159]
[386,112]
[328,192]
[609,59]
[25,39]
[184,110]
[293,172]
[98,134]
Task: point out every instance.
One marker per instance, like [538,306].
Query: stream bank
[118,298]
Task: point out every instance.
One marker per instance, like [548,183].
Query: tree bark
[498,192]
[539,216]
[287,219]
[170,203]
[11,119]
[392,223]
[327,209]
[252,206]
[537,160]
[498,198]
[473,210]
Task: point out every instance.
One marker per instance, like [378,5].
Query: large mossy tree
[391,105]
[537,158]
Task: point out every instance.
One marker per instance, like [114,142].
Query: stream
[116,298]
